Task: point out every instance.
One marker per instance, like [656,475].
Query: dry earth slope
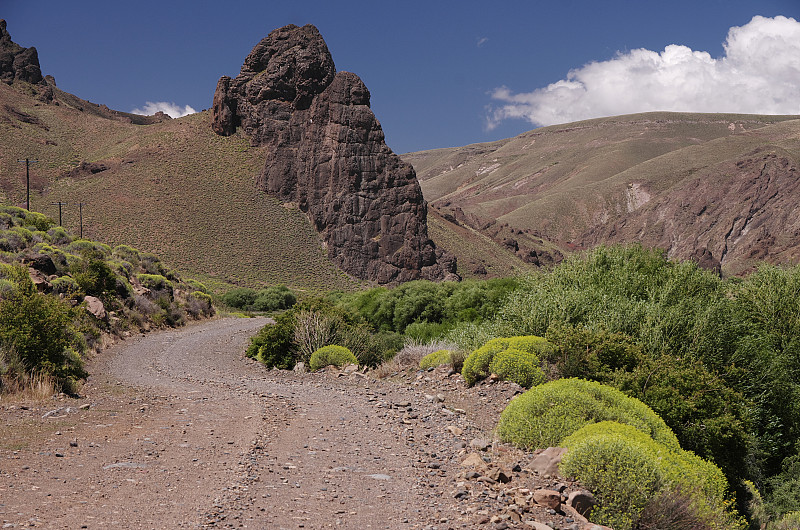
[713,185]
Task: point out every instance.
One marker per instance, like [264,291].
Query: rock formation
[18,63]
[327,155]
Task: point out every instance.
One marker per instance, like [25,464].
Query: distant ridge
[717,188]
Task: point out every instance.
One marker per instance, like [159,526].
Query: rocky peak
[327,155]
[17,63]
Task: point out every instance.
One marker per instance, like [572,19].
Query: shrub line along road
[182,431]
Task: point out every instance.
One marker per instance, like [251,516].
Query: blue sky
[441,73]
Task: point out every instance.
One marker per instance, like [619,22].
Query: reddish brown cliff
[327,154]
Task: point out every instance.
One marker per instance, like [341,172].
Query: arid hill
[176,188]
[719,188]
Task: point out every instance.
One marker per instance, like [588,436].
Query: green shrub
[155,282]
[437,358]
[477,365]
[546,414]
[126,253]
[518,366]
[331,355]
[59,236]
[426,331]
[40,330]
[96,278]
[197,286]
[623,472]
[81,246]
[273,345]
[39,221]
[598,456]
[273,298]
[583,352]
[67,286]
[790,521]
[151,264]
[240,297]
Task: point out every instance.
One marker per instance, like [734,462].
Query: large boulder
[327,156]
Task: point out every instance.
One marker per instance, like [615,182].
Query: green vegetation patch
[545,415]
[521,367]
[625,468]
[437,358]
[331,355]
[477,365]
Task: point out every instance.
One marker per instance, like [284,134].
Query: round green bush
[477,364]
[621,469]
[546,414]
[432,360]
[600,456]
[518,366]
[155,282]
[331,355]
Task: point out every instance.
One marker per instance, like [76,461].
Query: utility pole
[80,210]
[60,204]
[28,163]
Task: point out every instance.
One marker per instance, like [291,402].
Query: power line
[28,163]
[80,210]
[60,204]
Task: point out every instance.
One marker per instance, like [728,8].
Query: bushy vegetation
[272,298]
[518,366]
[331,355]
[45,328]
[718,360]
[428,305]
[312,324]
[627,469]
[437,358]
[528,350]
[545,415]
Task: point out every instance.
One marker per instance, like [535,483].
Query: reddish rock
[327,155]
[546,462]
[549,498]
[95,306]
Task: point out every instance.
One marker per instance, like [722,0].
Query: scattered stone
[582,501]
[549,498]
[500,475]
[455,431]
[95,307]
[481,444]
[546,462]
[474,460]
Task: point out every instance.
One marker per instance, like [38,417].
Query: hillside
[172,187]
[693,184]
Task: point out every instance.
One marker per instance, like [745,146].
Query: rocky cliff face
[17,63]
[327,155]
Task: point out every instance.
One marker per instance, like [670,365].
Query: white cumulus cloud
[170,109]
[759,73]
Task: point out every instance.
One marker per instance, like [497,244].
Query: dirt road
[182,431]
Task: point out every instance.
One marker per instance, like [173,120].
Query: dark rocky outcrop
[18,63]
[327,155]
